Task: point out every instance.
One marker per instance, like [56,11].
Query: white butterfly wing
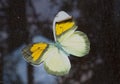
[76,44]
[57,62]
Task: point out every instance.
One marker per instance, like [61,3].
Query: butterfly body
[59,46]
[55,55]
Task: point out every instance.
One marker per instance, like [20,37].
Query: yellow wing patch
[37,50]
[63,26]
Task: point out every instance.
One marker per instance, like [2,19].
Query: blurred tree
[18,28]
[3,37]
[1,64]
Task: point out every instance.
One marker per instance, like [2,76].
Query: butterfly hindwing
[33,53]
[57,62]
[76,44]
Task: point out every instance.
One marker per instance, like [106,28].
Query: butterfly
[67,40]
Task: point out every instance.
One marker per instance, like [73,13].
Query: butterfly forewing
[62,23]
[34,53]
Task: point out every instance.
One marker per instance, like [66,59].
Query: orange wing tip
[37,50]
[63,27]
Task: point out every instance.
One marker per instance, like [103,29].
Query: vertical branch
[30,70]
[1,65]
[17,28]
[30,74]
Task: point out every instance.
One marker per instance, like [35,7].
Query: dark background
[21,21]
